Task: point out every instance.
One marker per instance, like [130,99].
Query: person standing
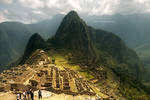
[24,95]
[32,95]
[28,93]
[40,94]
[18,96]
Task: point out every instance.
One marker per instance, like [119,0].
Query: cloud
[6,1]
[2,18]
[132,6]
[25,10]
[31,3]
[104,21]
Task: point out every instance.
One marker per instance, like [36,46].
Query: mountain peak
[73,34]
[71,24]
[72,13]
[35,36]
[72,16]
[35,42]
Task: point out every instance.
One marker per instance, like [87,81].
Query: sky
[29,11]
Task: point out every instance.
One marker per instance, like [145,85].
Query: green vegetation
[144,53]
[131,88]
[13,37]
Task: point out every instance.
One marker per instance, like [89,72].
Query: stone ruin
[43,75]
[61,81]
[18,87]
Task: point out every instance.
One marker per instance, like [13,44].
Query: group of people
[28,95]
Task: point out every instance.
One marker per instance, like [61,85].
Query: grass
[61,61]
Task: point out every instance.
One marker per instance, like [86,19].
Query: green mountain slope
[133,29]
[144,53]
[13,37]
[127,60]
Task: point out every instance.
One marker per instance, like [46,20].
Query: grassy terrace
[61,61]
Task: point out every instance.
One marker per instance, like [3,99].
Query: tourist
[18,96]
[24,95]
[40,94]
[32,95]
[28,93]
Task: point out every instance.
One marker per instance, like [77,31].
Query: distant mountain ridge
[14,36]
[132,28]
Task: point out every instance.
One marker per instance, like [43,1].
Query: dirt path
[66,97]
[7,96]
[47,96]
[51,96]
